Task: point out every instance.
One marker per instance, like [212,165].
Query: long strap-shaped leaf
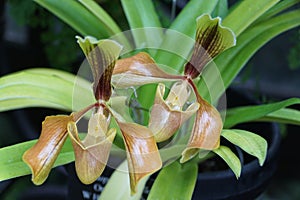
[185,25]
[246,13]
[102,16]
[252,40]
[185,22]
[250,113]
[233,60]
[141,14]
[279,7]
[79,18]
[12,165]
[120,179]
[284,115]
[43,88]
[107,21]
[175,181]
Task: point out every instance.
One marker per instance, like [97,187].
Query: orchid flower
[92,153]
[167,115]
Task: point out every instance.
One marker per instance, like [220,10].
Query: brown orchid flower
[91,153]
[168,115]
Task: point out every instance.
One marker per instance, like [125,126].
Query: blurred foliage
[26,12]
[164,11]
[60,46]
[57,38]
[114,9]
[294,51]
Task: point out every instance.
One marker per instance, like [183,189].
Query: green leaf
[279,7]
[78,17]
[12,165]
[252,40]
[102,16]
[185,22]
[230,158]
[142,14]
[230,62]
[251,143]
[221,9]
[244,14]
[249,113]
[120,179]
[175,181]
[284,115]
[173,54]
[31,88]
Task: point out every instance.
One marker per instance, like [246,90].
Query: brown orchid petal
[92,153]
[167,116]
[211,40]
[138,70]
[43,154]
[206,131]
[142,152]
[101,55]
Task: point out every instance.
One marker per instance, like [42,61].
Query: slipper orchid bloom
[91,153]
[167,115]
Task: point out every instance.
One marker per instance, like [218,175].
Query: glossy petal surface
[138,70]
[142,152]
[43,154]
[206,131]
[167,115]
[101,55]
[92,153]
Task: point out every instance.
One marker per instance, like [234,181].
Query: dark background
[273,74]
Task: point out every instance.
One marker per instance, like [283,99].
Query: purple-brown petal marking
[211,40]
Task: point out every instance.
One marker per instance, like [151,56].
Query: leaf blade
[230,158]
[183,28]
[102,16]
[251,143]
[184,176]
[141,15]
[248,44]
[120,179]
[249,113]
[246,13]
[12,165]
[31,88]
[76,16]
[284,115]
